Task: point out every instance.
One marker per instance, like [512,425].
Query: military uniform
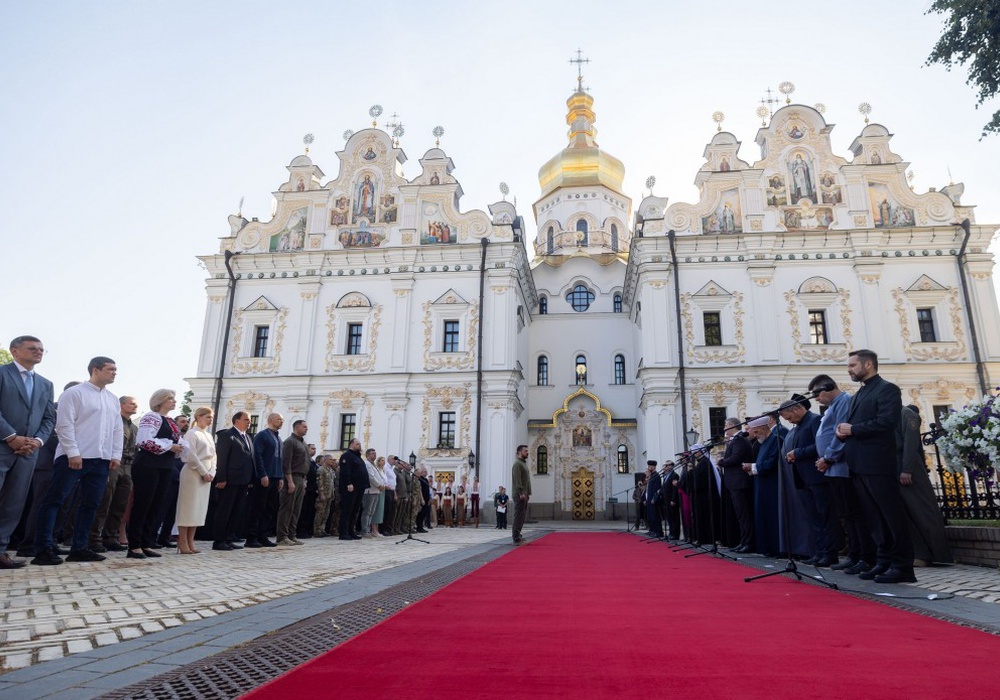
[326,487]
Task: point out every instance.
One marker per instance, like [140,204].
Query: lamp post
[413,460]
[472,459]
[690,438]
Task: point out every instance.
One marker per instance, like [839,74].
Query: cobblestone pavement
[48,612]
[65,620]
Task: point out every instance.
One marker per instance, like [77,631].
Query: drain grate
[239,670]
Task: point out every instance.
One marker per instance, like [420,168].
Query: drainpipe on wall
[217,399]
[672,238]
[479,352]
[973,336]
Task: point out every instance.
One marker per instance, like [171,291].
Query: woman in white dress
[196,480]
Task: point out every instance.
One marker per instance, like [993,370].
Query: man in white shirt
[389,475]
[90,432]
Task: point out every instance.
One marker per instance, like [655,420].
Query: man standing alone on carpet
[521,486]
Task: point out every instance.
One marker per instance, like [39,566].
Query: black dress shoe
[345,539]
[355,537]
[47,557]
[155,545]
[846,564]
[115,547]
[222,547]
[234,545]
[421,530]
[810,561]
[858,568]
[253,544]
[60,551]
[897,575]
[826,562]
[135,555]
[151,554]
[873,572]
[99,548]
[268,543]
[7,563]
[84,555]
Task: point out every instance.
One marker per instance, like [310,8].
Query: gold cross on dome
[579,61]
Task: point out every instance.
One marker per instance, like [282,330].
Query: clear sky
[129,131]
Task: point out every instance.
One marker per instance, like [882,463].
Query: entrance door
[583,494]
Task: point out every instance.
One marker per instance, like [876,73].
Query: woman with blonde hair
[156,443]
[196,480]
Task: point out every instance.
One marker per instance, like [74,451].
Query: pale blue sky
[130,130]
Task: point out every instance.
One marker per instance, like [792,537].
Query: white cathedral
[373,307]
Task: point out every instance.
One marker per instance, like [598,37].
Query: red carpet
[595,615]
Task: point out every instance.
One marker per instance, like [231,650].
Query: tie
[29,382]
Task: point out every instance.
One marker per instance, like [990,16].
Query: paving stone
[78,645]
[105,638]
[49,653]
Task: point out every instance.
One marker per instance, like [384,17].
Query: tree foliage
[5,357]
[972,37]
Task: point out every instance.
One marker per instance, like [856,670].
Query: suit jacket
[653,488]
[267,455]
[737,452]
[19,416]
[802,440]
[670,483]
[874,417]
[353,472]
[235,458]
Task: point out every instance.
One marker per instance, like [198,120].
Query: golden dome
[582,162]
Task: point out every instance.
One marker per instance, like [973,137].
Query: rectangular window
[717,421]
[817,327]
[254,424]
[713,328]
[941,412]
[260,334]
[925,322]
[348,424]
[451,336]
[446,429]
[353,338]
[622,459]
[542,460]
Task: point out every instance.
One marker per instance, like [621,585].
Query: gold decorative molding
[870,279]
[346,397]
[406,239]
[401,292]
[762,281]
[720,393]
[257,365]
[700,354]
[450,360]
[336,362]
[982,276]
[657,284]
[446,397]
[306,296]
[942,390]
[860,221]
[944,351]
[247,401]
[809,352]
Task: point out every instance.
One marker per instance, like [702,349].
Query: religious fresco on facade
[362,237]
[365,198]
[801,182]
[806,218]
[795,132]
[370,154]
[776,195]
[582,436]
[886,212]
[388,209]
[293,235]
[341,210]
[434,229]
[728,216]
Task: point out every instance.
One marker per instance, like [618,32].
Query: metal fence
[962,496]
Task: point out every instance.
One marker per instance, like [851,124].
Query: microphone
[829,386]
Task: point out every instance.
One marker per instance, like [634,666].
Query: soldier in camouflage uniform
[404,482]
[416,502]
[326,489]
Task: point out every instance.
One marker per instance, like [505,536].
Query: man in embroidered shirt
[27,417]
[89,427]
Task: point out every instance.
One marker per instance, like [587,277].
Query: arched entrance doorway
[582,485]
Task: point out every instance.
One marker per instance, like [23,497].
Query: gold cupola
[581,163]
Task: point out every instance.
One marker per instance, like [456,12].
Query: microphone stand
[790,565]
[712,487]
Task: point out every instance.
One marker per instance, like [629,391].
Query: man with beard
[738,482]
[352,468]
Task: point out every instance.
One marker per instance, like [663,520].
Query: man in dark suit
[234,470]
[812,488]
[869,436]
[268,480]
[654,497]
[738,482]
[349,485]
[27,417]
[671,500]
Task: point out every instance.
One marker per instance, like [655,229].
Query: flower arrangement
[971,438]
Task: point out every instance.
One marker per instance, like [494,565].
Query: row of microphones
[829,386]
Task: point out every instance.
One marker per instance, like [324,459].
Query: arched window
[614,238]
[581,227]
[550,241]
[619,369]
[580,298]
[618,303]
[543,370]
[622,459]
[542,459]
[543,305]
[581,370]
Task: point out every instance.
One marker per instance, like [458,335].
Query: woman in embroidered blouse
[156,443]
[196,480]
